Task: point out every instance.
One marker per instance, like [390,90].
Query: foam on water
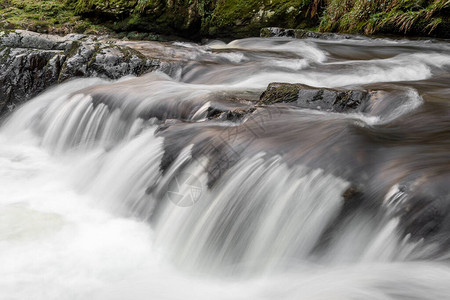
[303,48]
[56,242]
[365,72]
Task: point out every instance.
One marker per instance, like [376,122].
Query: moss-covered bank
[48,16]
[413,17]
[231,18]
[239,18]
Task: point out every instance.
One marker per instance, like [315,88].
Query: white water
[57,242]
[74,217]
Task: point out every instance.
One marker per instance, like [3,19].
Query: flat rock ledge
[324,99]
[31,62]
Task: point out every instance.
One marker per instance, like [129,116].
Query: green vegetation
[139,19]
[197,18]
[385,16]
[51,16]
[251,15]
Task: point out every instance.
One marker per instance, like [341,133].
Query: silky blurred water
[83,212]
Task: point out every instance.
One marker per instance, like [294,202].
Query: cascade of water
[95,203]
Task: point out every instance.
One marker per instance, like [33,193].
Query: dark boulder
[299,95]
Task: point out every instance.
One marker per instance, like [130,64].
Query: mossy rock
[49,16]
[280,93]
[299,95]
[244,18]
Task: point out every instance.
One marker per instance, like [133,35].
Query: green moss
[249,16]
[110,6]
[50,16]
[280,93]
[224,18]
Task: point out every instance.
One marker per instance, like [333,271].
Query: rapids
[128,190]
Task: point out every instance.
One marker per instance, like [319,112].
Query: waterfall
[111,190]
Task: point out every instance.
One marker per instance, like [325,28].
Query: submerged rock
[31,62]
[336,100]
[422,205]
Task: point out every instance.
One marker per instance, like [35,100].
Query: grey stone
[31,62]
[299,95]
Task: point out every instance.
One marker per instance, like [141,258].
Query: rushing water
[94,202]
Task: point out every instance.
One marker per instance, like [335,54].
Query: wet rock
[277,32]
[303,34]
[25,73]
[237,114]
[31,62]
[28,39]
[352,194]
[303,96]
[423,205]
[231,114]
[280,93]
[98,59]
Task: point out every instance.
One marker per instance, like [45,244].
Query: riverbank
[196,19]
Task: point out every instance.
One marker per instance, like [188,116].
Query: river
[129,190]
